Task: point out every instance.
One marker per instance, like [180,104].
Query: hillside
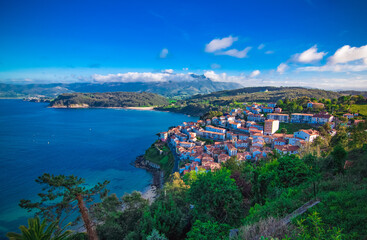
[198,85]
[268,94]
[352,92]
[110,99]
[219,101]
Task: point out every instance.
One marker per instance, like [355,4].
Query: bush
[208,231]
[216,197]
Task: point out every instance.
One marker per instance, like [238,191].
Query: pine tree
[61,196]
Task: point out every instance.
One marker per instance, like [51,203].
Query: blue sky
[271,42]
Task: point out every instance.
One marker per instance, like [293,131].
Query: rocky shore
[141,162]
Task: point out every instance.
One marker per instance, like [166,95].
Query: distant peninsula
[108,100]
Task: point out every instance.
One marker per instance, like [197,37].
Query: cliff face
[112,99]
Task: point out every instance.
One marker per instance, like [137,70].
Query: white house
[308,135]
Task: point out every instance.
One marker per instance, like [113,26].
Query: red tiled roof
[310,131]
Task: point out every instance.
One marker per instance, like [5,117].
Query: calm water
[95,144]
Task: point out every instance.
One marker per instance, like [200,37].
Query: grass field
[361,108]
[293,127]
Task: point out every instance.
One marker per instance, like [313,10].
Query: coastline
[86,106]
[141,108]
[155,108]
[150,193]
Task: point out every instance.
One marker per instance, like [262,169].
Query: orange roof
[277,114]
[217,133]
[310,131]
[302,114]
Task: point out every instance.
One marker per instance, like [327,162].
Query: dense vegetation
[224,100]
[269,94]
[291,100]
[253,197]
[336,106]
[351,92]
[112,99]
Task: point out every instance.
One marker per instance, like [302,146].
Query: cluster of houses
[232,136]
[255,112]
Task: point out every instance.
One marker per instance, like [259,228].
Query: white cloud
[215,66]
[185,69]
[282,67]
[308,56]
[332,83]
[255,73]
[215,77]
[348,54]
[221,77]
[235,53]
[163,53]
[218,44]
[269,52]
[351,79]
[241,79]
[335,68]
[345,59]
[142,77]
[261,46]
[167,71]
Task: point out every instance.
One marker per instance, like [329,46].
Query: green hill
[219,101]
[267,94]
[109,99]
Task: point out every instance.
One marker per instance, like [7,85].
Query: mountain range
[198,85]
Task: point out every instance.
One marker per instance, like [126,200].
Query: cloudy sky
[311,43]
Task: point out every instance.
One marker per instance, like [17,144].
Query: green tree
[263,180]
[293,107]
[341,138]
[192,176]
[312,228]
[314,175]
[279,102]
[318,142]
[62,195]
[208,231]
[359,137]
[156,236]
[38,230]
[274,155]
[291,171]
[233,164]
[216,197]
[167,216]
[338,158]
[118,223]
[108,208]
[177,188]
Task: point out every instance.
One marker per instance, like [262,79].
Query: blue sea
[95,144]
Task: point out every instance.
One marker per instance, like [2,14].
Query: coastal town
[231,136]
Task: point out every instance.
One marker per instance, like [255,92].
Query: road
[177,159]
